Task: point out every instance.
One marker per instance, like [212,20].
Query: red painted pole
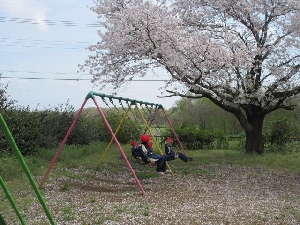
[119,147]
[62,143]
[173,130]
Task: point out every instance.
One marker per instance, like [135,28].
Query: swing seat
[140,161]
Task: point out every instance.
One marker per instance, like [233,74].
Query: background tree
[6,101]
[203,113]
[243,55]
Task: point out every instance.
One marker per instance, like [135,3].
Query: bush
[129,129]
[195,138]
[280,134]
[44,129]
[24,128]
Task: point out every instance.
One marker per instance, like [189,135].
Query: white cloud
[27,9]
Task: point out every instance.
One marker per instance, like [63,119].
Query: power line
[67,23]
[39,72]
[66,79]
[38,43]
[48,47]
[60,73]
[44,78]
[50,6]
[36,53]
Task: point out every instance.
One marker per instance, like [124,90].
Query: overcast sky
[47,40]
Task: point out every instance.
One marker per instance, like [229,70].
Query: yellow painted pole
[116,132]
[148,128]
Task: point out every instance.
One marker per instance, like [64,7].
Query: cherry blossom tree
[243,55]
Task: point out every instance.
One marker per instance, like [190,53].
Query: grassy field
[87,158]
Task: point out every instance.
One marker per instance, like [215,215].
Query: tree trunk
[254,136]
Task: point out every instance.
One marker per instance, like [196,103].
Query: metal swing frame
[92,95]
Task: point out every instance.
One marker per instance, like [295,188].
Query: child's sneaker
[161,173]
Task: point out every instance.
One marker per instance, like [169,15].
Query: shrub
[195,138]
[281,133]
[129,130]
[24,127]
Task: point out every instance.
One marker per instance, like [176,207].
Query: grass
[68,213]
[88,157]
[271,161]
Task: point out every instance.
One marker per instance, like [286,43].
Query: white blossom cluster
[234,52]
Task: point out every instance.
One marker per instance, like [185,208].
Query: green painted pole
[12,202]
[92,95]
[2,222]
[25,168]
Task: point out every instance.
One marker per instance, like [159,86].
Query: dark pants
[169,157]
[161,165]
[183,157]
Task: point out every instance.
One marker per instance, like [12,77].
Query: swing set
[115,105]
[131,110]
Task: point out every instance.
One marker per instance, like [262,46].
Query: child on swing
[167,157]
[145,152]
[169,151]
[137,153]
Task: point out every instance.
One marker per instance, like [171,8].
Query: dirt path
[225,195]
